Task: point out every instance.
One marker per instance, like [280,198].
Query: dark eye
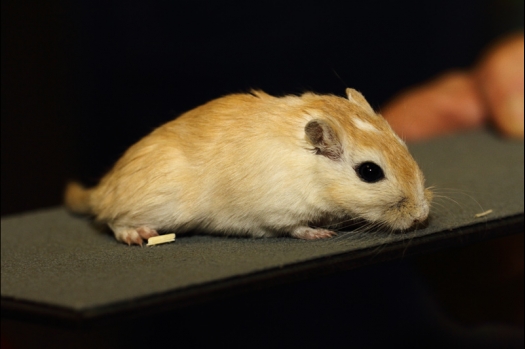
[370,172]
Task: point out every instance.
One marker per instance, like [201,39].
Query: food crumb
[482,214]
[161,239]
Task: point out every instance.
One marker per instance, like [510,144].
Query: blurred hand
[459,100]
[499,75]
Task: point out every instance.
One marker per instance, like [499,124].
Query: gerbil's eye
[370,172]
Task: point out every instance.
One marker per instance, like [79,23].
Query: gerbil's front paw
[133,235]
[308,233]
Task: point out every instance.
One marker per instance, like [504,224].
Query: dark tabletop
[58,265]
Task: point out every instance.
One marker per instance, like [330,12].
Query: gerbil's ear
[356,97]
[324,139]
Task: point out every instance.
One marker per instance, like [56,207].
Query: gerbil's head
[365,168]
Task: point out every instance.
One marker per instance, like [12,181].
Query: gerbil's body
[257,165]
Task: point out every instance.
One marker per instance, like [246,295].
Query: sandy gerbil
[257,165]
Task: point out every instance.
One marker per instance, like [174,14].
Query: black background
[82,81]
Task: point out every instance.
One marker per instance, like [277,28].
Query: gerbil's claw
[146,232]
[132,236]
[126,239]
[308,233]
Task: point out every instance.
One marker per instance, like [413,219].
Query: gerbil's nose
[420,222]
[421,218]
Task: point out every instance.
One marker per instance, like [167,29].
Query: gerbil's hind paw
[308,233]
[131,236]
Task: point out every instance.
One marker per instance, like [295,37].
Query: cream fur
[241,165]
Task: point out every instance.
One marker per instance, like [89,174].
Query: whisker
[466,193]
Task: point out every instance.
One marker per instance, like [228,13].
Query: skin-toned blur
[490,92]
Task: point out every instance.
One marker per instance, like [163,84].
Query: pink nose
[419,221]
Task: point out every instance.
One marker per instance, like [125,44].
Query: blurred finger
[500,77]
[447,104]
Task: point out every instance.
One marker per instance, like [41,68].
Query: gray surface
[54,258]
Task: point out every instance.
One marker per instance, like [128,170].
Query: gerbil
[257,165]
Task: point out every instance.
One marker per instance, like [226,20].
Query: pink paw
[133,235]
[308,233]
